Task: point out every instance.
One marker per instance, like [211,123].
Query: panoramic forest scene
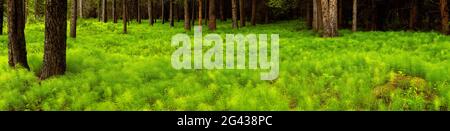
[118,55]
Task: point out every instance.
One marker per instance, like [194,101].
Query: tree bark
[254,12]
[333,8]
[355,16]
[187,24]
[315,16]
[212,15]
[234,14]
[73,23]
[171,13]
[138,12]
[242,12]
[309,20]
[329,18]
[150,12]
[104,13]
[444,16]
[55,39]
[124,15]
[1,16]
[99,9]
[221,12]
[200,12]
[17,53]
[81,8]
[114,11]
[162,12]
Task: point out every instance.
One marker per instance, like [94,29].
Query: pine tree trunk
[150,12]
[355,16]
[104,13]
[99,10]
[222,15]
[73,23]
[171,13]
[162,12]
[242,12]
[266,12]
[234,13]
[333,8]
[326,19]
[114,11]
[444,16]
[55,39]
[81,8]
[254,12]
[212,15]
[193,13]
[315,16]
[1,16]
[138,10]
[17,53]
[309,20]
[124,15]
[200,12]
[187,24]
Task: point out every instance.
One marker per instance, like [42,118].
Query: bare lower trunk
[171,13]
[162,12]
[234,13]
[55,39]
[222,15]
[150,11]
[138,12]
[187,24]
[73,23]
[242,12]
[212,15]
[329,18]
[444,16]
[355,16]
[200,12]
[17,53]
[1,16]
[114,11]
[253,12]
[124,15]
[104,13]
[81,8]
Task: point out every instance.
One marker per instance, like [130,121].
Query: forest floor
[108,70]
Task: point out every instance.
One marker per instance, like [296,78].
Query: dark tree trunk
[212,15]
[205,15]
[162,12]
[221,6]
[187,24]
[329,19]
[308,14]
[200,12]
[253,12]
[150,12]
[17,53]
[55,39]
[138,10]
[99,10]
[444,16]
[73,23]
[1,17]
[114,11]
[234,13]
[104,13]
[193,13]
[124,15]
[171,13]
[81,8]
[355,16]
[242,12]
[266,12]
[413,15]
[315,20]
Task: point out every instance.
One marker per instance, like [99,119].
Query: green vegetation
[108,70]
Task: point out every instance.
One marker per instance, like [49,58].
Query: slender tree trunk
[200,12]
[162,12]
[333,8]
[55,39]
[73,23]
[340,15]
[315,16]
[17,53]
[242,12]
[308,14]
[193,13]
[444,16]
[254,12]
[150,12]
[187,24]
[138,10]
[266,12]
[81,8]
[222,15]
[1,17]
[104,9]
[171,13]
[114,11]
[355,16]
[205,15]
[124,15]
[99,10]
[234,13]
[212,15]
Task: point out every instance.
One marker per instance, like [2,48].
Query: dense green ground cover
[108,70]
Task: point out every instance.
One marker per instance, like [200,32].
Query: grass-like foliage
[108,70]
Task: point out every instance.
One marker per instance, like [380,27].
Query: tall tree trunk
[308,14]
[171,13]
[253,12]
[266,12]
[193,13]
[1,17]
[99,10]
[124,15]
[444,16]
[329,18]
[81,8]
[104,13]
[234,13]
[340,15]
[222,15]
[162,12]
[333,8]
[200,12]
[212,15]
[138,10]
[17,53]
[355,16]
[73,23]
[205,15]
[55,39]
[315,16]
[242,12]
[150,12]
[187,24]
[413,15]
[114,11]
